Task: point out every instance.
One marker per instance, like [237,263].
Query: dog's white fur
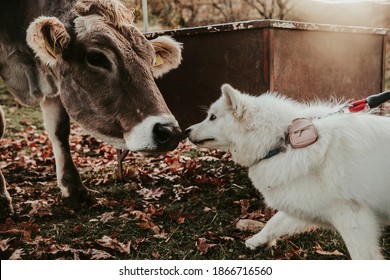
[341,181]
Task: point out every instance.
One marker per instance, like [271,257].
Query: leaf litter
[185,204]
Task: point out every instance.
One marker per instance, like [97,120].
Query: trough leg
[5,199]
[57,124]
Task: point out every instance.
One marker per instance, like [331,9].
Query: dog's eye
[212,117]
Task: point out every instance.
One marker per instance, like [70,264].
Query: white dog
[341,181]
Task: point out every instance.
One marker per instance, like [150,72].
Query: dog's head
[248,127]
[227,119]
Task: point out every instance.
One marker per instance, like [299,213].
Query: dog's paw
[252,243]
[256,241]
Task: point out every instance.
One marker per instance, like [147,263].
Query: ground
[185,204]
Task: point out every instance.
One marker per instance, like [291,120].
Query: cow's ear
[168,55]
[233,100]
[48,38]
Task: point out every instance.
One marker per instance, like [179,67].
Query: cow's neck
[24,76]
[16,15]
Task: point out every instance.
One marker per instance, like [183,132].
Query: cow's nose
[166,136]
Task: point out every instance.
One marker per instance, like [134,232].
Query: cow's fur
[340,182]
[85,59]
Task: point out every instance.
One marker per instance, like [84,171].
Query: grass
[182,205]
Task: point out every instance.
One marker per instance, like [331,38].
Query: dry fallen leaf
[153,210]
[213,236]
[320,251]
[114,244]
[244,204]
[4,244]
[25,229]
[17,254]
[148,194]
[249,225]
[100,255]
[107,216]
[180,191]
[161,235]
[39,208]
[203,246]
[208,209]
[258,214]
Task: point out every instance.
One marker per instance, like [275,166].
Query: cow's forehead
[87,27]
[92,24]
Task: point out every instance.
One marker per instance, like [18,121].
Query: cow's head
[105,68]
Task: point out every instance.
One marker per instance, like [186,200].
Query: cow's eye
[98,59]
[212,117]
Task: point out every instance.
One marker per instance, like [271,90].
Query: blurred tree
[190,11]
[271,9]
[167,12]
[187,13]
[226,8]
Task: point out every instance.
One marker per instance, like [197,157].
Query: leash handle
[372,101]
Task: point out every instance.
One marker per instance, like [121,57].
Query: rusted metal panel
[301,60]
[311,64]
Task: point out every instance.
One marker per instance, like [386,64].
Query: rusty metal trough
[301,60]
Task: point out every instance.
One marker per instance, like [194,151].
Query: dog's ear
[233,100]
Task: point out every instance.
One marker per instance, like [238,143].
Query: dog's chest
[299,197]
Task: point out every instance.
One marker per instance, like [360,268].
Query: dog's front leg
[279,225]
[360,230]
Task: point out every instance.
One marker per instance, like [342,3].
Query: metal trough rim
[269,23]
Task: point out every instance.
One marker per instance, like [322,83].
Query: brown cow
[85,59]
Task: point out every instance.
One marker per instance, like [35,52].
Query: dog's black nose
[187,132]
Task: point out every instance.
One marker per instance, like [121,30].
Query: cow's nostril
[162,133]
[167,137]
